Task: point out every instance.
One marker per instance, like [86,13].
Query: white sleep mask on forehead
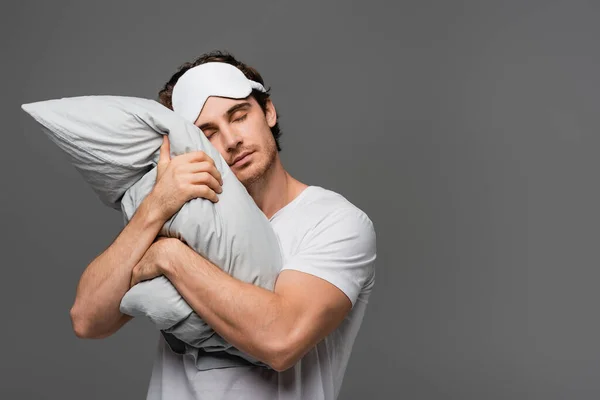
[197,84]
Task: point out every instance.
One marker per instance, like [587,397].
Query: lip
[241,158]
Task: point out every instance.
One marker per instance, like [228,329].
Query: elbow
[281,365]
[283,362]
[284,356]
[81,325]
[86,327]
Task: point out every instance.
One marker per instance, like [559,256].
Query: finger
[205,166]
[199,156]
[205,192]
[215,173]
[206,178]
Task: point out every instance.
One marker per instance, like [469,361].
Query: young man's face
[241,131]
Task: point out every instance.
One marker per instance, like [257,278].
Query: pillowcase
[114,142]
[105,138]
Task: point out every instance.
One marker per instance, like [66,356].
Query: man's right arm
[95,312]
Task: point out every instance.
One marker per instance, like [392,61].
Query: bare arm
[95,313]
[105,281]
[313,292]
[277,327]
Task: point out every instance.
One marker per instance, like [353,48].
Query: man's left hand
[154,261]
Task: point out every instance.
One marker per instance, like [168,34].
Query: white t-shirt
[323,234]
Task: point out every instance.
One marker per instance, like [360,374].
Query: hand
[153,262]
[183,178]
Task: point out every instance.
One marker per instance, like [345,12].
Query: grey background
[468,131]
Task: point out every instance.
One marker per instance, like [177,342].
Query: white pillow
[114,142]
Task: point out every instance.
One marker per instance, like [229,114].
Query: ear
[270,113]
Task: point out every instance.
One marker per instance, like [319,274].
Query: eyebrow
[229,112]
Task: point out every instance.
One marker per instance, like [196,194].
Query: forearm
[106,279]
[253,319]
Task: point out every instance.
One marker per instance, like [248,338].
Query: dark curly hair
[165,94]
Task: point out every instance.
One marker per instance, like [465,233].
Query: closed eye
[209,134]
[243,117]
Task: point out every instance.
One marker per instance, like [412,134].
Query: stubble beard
[261,169]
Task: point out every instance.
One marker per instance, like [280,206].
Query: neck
[275,189]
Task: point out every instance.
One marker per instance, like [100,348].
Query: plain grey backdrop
[468,132]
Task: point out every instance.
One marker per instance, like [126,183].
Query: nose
[231,138]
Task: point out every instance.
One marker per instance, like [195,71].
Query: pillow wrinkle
[114,142]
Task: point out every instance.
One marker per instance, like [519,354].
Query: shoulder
[322,197]
[336,241]
[330,217]
[324,204]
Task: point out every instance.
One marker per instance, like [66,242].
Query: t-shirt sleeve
[340,249]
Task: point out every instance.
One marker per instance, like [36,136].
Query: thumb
[165,150]
[164,157]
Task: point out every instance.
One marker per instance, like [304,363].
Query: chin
[263,161]
[253,173]
[249,175]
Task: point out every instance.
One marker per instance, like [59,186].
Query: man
[305,328]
